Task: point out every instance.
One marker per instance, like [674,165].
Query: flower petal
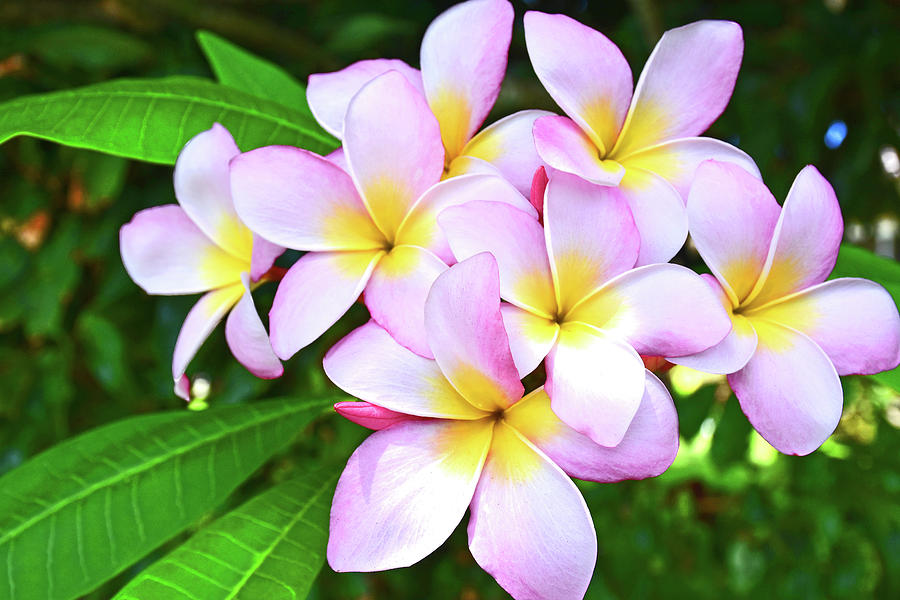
[517,242]
[659,215]
[421,225]
[338,158]
[853,320]
[247,338]
[403,492]
[583,71]
[538,189]
[530,528]
[531,337]
[732,218]
[685,85]
[395,295]
[591,236]
[315,292]
[789,390]
[369,415]
[263,257]
[565,147]
[661,310]
[203,189]
[369,364]
[806,240]
[164,252]
[677,160]
[465,332]
[647,450]
[199,323]
[297,199]
[329,94]
[508,144]
[393,148]
[729,355]
[463,60]
[596,382]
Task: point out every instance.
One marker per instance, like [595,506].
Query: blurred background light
[835,134]
[890,161]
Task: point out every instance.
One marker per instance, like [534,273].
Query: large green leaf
[858,262]
[237,68]
[84,510]
[271,547]
[151,119]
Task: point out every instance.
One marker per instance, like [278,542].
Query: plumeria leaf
[858,262]
[79,513]
[235,67]
[270,547]
[152,119]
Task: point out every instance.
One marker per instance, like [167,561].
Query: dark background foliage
[81,345]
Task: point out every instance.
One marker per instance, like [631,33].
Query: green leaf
[271,547]
[858,262]
[84,510]
[152,119]
[235,67]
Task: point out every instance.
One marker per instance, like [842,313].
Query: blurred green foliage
[81,345]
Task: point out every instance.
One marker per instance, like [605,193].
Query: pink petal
[338,158]
[661,310]
[369,364]
[183,388]
[538,188]
[564,146]
[789,390]
[297,199]
[421,225]
[583,71]
[806,239]
[316,291]
[659,215]
[463,60]
[853,320]
[264,255]
[596,383]
[530,528]
[733,352]
[164,252]
[393,148]
[517,242]
[591,236]
[647,450]
[395,295]
[403,492]
[465,332]
[200,321]
[248,340]
[685,85]
[732,217]
[469,165]
[329,94]
[531,337]
[370,416]
[677,160]
[508,145]
[203,189]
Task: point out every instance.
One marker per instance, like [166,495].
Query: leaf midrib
[123,475]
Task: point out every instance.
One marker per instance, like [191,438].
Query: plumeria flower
[456,433]
[370,228]
[463,58]
[575,298]
[793,335]
[201,245]
[646,142]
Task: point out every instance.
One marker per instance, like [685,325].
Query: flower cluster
[482,255]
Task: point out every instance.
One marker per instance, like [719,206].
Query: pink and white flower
[643,142]
[371,228]
[201,245]
[456,433]
[793,332]
[575,298]
[463,59]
